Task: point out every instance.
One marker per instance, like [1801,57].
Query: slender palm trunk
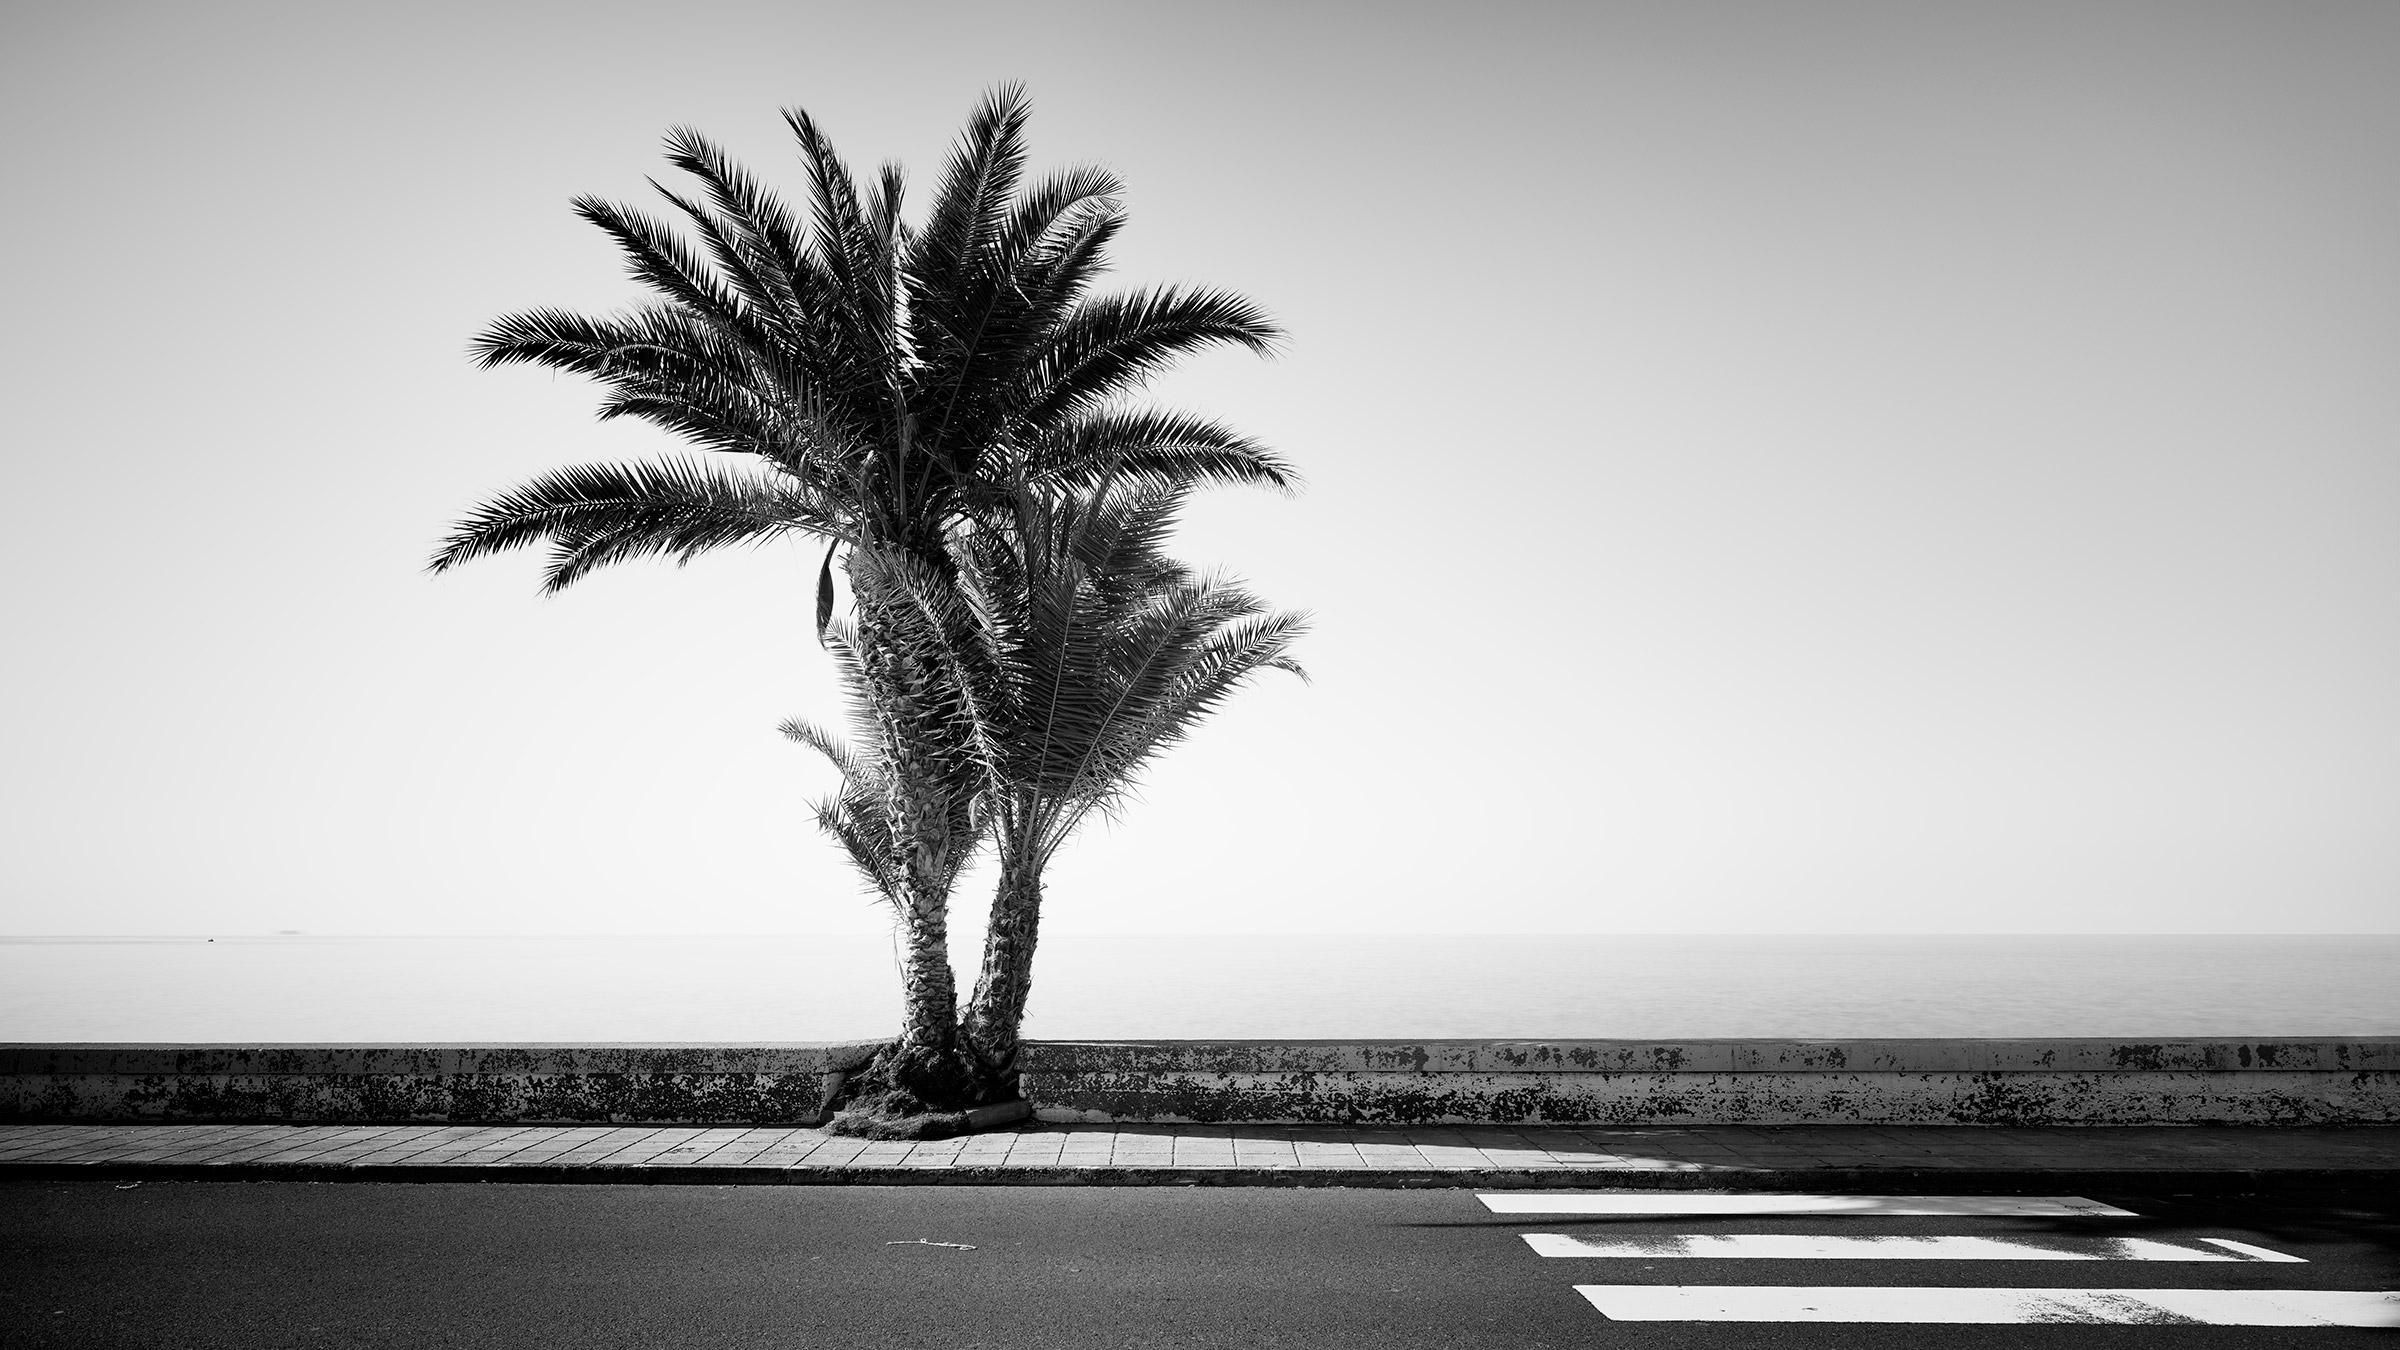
[996,1015]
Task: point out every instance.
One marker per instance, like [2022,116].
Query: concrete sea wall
[581,1084]
[1764,1082]
[1947,1081]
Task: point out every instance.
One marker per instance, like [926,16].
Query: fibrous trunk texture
[919,802]
[996,1015]
[926,1064]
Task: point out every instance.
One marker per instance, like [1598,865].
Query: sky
[1844,467]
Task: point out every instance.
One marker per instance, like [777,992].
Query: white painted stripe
[1776,1246]
[2254,1253]
[2134,1307]
[1724,1202]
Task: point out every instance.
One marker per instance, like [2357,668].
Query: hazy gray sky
[1772,467]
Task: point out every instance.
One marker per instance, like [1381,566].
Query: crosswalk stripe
[2254,1253]
[2135,1307]
[1723,1202]
[1773,1246]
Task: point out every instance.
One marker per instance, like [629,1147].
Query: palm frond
[1117,651]
[867,728]
[1093,448]
[673,368]
[849,762]
[1053,277]
[854,820]
[970,207]
[966,318]
[659,259]
[855,259]
[565,341]
[928,612]
[1109,346]
[771,240]
[1060,201]
[595,514]
[737,262]
[1203,678]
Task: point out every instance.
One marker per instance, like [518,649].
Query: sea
[798,987]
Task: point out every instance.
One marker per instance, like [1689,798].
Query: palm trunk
[996,1015]
[927,1062]
[928,989]
[917,810]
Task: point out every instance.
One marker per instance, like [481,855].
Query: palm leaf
[595,514]
[1095,448]
[1204,678]
[1111,345]
[657,258]
[771,240]
[856,261]
[1064,200]
[825,743]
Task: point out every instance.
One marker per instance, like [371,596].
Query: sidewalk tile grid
[1210,1148]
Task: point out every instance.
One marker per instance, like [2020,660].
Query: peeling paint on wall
[662,1085]
[1965,1082]
[1930,1081]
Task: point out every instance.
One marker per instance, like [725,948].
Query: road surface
[666,1267]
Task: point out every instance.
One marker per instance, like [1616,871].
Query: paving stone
[1730,1150]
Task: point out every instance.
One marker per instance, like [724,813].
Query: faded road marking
[1775,1246]
[1720,1202]
[2118,1307]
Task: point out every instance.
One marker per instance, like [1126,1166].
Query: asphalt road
[209,1264]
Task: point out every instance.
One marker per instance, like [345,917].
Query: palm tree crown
[882,380]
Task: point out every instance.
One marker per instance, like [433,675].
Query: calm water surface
[786,987]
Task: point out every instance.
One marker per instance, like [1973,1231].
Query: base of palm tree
[864,1122]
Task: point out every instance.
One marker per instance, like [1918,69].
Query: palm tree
[882,385]
[1079,652]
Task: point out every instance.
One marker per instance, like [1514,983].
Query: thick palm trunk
[917,810]
[928,989]
[996,1015]
[927,1062]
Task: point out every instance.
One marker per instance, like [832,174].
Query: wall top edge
[156,1059]
[437,1045]
[1895,1055]
[1114,1058]
[1878,1041]
[1371,1043]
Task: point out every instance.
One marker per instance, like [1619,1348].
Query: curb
[1894,1180]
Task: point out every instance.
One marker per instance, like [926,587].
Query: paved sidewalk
[1701,1156]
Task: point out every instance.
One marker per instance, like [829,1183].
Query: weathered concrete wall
[649,1084]
[1966,1082]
